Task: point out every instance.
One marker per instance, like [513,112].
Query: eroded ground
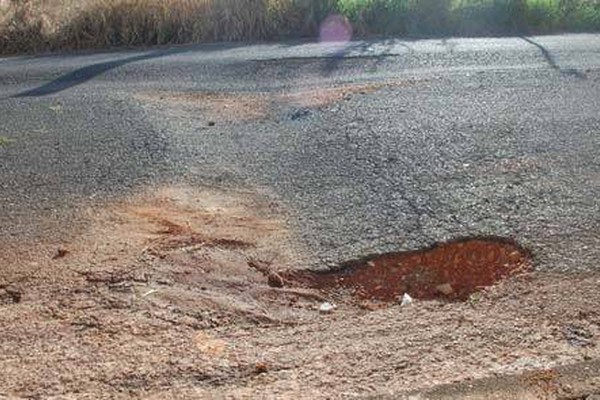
[236,107]
[174,293]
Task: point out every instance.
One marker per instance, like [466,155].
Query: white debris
[406,300]
[326,308]
[149,292]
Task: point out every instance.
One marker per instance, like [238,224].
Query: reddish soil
[177,293]
[241,107]
[451,271]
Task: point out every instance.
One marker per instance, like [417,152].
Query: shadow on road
[552,61]
[80,76]
[362,49]
[89,72]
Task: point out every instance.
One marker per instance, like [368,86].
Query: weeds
[36,25]
[4,141]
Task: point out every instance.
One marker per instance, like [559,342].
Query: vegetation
[4,141]
[41,25]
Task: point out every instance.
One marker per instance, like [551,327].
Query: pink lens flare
[335,28]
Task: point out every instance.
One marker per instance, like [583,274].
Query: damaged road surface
[244,221]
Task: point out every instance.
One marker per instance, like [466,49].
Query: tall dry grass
[27,27]
[40,25]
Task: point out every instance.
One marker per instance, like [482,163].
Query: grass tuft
[4,141]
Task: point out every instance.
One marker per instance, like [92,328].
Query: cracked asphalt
[476,137]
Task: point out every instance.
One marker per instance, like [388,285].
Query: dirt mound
[453,271]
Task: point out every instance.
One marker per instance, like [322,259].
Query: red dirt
[177,293]
[452,271]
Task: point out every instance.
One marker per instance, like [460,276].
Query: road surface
[462,137]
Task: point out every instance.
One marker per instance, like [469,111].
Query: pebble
[406,300]
[445,289]
[326,308]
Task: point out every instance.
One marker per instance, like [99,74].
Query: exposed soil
[324,96]
[183,293]
[236,107]
[452,271]
[222,107]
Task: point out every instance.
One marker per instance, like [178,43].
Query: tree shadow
[363,50]
[89,72]
[80,76]
[552,61]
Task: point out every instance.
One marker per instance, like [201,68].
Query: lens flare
[335,28]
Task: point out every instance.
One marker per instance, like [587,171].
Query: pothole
[452,271]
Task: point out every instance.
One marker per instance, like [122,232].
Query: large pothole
[453,271]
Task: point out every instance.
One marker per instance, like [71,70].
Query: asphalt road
[476,137]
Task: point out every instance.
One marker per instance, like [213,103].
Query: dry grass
[32,25]
[42,25]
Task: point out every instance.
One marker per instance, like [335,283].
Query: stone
[406,300]
[326,308]
[446,289]
[60,253]
[275,280]
[10,296]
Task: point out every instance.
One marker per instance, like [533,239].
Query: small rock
[299,114]
[60,253]
[10,296]
[275,280]
[445,289]
[406,300]
[567,388]
[164,281]
[326,308]
[261,368]
[593,397]
[371,306]
[211,123]
[578,336]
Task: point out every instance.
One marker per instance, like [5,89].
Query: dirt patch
[181,292]
[321,97]
[452,271]
[191,250]
[579,381]
[232,107]
[142,286]
[217,107]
